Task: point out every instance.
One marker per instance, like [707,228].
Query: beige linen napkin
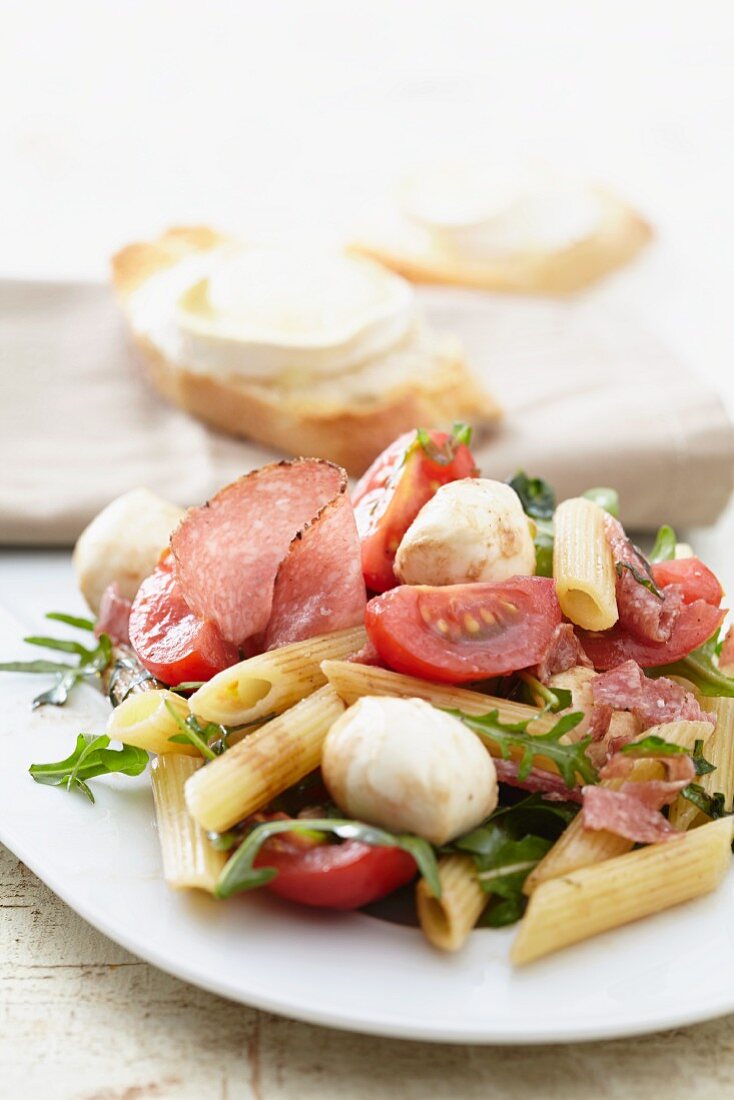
[589,400]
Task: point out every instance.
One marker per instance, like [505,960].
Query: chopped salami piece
[651,701]
[564,652]
[274,555]
[625,814]
[644,613]
[726,657]
[601,716]
[114,615]
[546,783]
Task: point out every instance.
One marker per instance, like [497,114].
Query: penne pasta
[719,749]
[144,720]
[595,899]
[263,765]
[583,568]
[446,922]
[351,681]
[271,682]
[578,847]
[189,860]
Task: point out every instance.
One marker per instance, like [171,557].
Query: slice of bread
[619,236]
[348,418]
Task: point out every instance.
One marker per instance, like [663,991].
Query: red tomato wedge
[463,632]
[695,578]
[335,876]
[392,492]
[695,624]
[167,637]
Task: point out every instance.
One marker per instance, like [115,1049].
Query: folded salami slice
[274,555]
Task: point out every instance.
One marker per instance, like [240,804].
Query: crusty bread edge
[351,435]
[621,234]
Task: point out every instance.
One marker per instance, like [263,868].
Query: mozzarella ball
[123,544]
[405,765]
[471,530]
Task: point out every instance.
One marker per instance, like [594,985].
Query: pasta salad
[442,687]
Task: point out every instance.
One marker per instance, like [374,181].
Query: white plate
[348,971]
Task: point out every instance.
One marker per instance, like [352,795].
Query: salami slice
[275,555]
[548,784]
[623,813]
[319,586]
[645,611]
[651,701]
[563,653]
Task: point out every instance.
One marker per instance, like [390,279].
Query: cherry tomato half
[463,632]
[392,492]
[335,876]
[695,624]
[695,578]
[168,639]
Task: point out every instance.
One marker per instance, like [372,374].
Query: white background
[120,118]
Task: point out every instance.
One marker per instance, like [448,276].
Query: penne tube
[351,681]
[595,899]
[446,922]
[719,749]
[579,847]
[145,721]
[263,765]
[583,567]
[189,860]
[271,682]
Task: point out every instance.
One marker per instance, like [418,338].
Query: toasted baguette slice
[347,418]
[619,236]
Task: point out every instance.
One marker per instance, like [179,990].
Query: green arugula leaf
[91,757]
[239,872]
[508,846]
[710,804]
[606,498]
[664,545]
[462,433]
[536,496]
[193,733]
[654,746]
[91,662]
[570,759]
[701,764]
[701,668]
[641,578]
[555,698]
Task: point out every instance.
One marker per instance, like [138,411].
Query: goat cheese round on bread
[471,530]
[123,543]
[404,765]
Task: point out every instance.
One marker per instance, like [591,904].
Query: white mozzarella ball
[404,765]
[123,544]
[471,530]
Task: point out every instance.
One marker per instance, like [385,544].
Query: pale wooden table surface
[81,1019]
